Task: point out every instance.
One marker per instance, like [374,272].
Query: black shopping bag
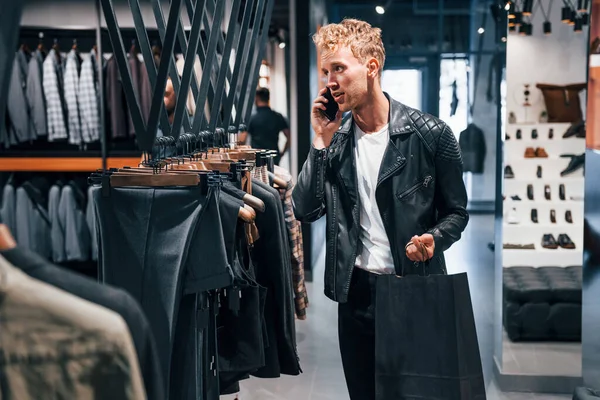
[425,339]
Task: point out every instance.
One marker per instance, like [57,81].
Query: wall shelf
[63,164]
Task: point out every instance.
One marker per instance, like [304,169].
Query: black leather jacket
[419,190]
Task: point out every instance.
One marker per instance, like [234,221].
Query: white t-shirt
[376,253]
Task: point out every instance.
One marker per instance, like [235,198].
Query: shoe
[568,217]
[513,217]
[561,191]
[576,163]
[548,242]
[529,152]
[553,216]
[515,197]
[534,216]
[551,133]
[508,172]
[534,134]
[530,192]
[539,171]
[547,192]
[541,152]
[577,129]
[519,134]
[565,241]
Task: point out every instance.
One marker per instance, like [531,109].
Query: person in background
[265,125]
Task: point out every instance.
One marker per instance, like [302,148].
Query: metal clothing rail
[227,88]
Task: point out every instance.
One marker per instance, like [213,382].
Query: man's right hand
[323,127]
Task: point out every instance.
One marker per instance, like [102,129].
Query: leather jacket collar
[399,118]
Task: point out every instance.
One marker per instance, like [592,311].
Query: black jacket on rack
[472,146]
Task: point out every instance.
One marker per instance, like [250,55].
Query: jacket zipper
[334,239]
[416,187]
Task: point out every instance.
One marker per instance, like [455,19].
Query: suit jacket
[21,128]
[35,95]
[115,104]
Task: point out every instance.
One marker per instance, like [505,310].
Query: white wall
[559,58]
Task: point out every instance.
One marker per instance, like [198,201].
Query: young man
[389,180]
[265,125]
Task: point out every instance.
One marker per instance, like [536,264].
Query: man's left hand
[421,249]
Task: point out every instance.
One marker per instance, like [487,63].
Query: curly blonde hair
[363,39]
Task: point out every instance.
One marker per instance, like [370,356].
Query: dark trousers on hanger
[356,326]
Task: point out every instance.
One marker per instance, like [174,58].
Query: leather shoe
[534,134]
[565,241]
[534,216]
[547,192]
[553,216]
[539,171]
[577,129]
[529,152]
[569,217]
[561,191]
[530,192]
[576,163]
[551,133]
[519,134]
[541,152]
[508,172]
[548,242]
[515,197]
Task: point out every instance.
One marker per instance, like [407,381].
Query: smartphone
[331,105]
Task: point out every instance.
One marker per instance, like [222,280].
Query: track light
[380,10]
[527,7]
[523,29]
[566,15]
[578,25]
[481,30]
[547,28]
[282,45]
[583,5]
[518,18]
[503,39]
[585,19]
[573,17]
[511,9]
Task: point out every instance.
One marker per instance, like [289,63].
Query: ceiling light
[507,5]
[480,30]
[380,10]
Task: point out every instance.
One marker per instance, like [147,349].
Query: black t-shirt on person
[264,128]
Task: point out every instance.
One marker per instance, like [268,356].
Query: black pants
[356,325]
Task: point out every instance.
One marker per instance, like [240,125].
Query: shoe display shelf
[533,192]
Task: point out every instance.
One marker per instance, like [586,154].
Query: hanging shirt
[89,102]
[57,129]
[376,255]
[35,94]
[71,97]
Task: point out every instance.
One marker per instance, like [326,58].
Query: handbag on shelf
[425,339]
[562,101]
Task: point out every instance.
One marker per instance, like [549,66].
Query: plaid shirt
[89,101]
[71,92]
[57,128]
[296,244]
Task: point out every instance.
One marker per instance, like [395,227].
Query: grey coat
[35,95]
[21,128]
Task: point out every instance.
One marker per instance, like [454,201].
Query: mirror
[543,188]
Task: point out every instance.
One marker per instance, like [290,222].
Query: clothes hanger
[7,241]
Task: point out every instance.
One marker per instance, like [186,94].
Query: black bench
[542,304]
